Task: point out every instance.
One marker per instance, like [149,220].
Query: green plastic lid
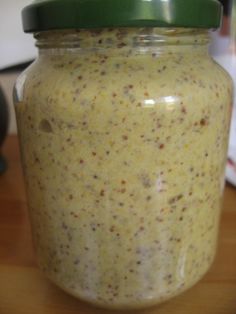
[44,15]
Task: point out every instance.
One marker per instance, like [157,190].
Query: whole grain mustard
[123,148]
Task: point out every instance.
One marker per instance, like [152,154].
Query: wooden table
[24,290]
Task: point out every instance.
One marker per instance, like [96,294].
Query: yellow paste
[124,154]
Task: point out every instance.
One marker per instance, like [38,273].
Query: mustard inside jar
[123,123]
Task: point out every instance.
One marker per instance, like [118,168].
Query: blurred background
[17,51]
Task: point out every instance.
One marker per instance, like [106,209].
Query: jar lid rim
[43,15]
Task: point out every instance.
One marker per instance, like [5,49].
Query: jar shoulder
[77,77]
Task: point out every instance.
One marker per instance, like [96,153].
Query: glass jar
[123,134]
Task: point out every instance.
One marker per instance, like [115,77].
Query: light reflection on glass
[181,266]
[149,103]
[169,101]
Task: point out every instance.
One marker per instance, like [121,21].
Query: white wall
[15,47]
[7,80]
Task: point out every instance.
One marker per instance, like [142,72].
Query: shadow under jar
[123,134]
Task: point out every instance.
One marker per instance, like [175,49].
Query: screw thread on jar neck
[121,39]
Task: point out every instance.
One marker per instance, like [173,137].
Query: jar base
[154,302]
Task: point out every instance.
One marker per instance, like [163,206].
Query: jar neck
[122,39]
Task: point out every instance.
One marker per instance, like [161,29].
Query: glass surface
[123,137]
